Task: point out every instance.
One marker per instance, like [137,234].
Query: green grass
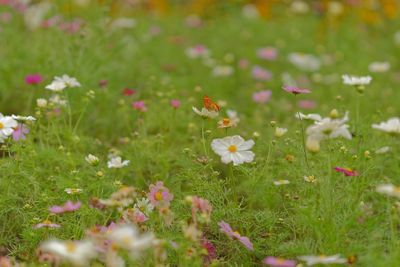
[287,221]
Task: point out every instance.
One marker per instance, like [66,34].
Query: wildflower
[73,191]
[20,132]
[346,171]
[222,71]
[78,253]
[356,80]
[278,262]
[139,106]
[58,101]
[122,198]
[33,79]
[233,149]
[313,117]
[92,160]
[128,92]
[202,206]
[262,97]
[144,205]
[7,126]
[47,224]
[392,126]
[197,51]
[379,67]
[268,53]
[210,249]
[191,232]
[69,206]
[159,195]
[305,62]
[123,23]
[134,215]
[328,128]
[175,103]
[116,162]
[205,113]
[226,229]
[226,123]
[295,90]
[322,259]
[389,189]
[281,182]
[23,118]
[310,179]
[63,82]
[261,74]
[279,132]
[382,150]
[313,145]
[41,102]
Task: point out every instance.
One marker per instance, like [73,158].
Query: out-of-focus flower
[20,132]
[382,150]
[139,106]
[63,82]
[116,162]
[279,132]
[389,189]
[322,259]
[41,102]
[356,80]
[73,191]
[305,62]
[33,79]
[159,195]
[128,92]
[250,11]
[233,149]
[144,206]
[328,128]
[295,90]
[69,206]
[261,74]
[268,53]
[281,182]
[123,23]
[392,126]
[197,51]
[47,224]
[379,67]
[299,7]
[279,262]
[92,159]
[262,97]
[306,104]
[223,71]
[346,171]
[193,21]
[175,103]
[226,229]
[313,117]
[205,113]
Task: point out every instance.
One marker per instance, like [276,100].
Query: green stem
[203,140]
[303,141]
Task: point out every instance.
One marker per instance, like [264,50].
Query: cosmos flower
[20,132]
[139,106]
[197,51]
[262,97]
[23,118]
[69,206]
[33,79]
[392,126]
[346,171]
[279,132]
[78,253]
[222,71]
[92,160]
[261,74]
[134,216]
[41,102]
[305,62]
[279,262]
[7,126]
[63,82]
[389,190]
[175,103]
[379,67]
[295,90]
[226,229]
[268,53]
[227,123]
[159,195]
[144,206]
[233,149]
[116,162]
[328,128]
[205,113]
[322,259]
[47,224]
[128,92]
[313,117]
[356,80]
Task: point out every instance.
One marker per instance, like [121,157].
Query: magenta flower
[346,171]
[20,132]
[211,251]
[33,79]
[139,106]
[47,224]
[159,195]
[175,103]
[279,262]
[261,74]
[295,90]
[306,104]
[226,229]
[268,53]
[128,92]
[262,97]
[69,206]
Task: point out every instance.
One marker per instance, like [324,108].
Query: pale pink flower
[69,206]
[243,64]
[20,132]
[306,104]
[262,97]
[226,228]
[346,171]
[159,195]
[295,90]
[268,53]
[175,103]
[261,74]
[279,262]
[139,106]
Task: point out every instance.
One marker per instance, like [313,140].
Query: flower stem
[303,141]
[203,140]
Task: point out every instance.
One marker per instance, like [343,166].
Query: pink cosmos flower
[279,262]
[51,22]
[134,215]
[306,104]
[69,206]
[211,251]
[139,106]
[33,79]
[47,224]
[20,132]
[159,195]
[268,53]
[128,92]
[295,90]
[226,228]
[175,103]
[346,171]
[262,97]
[72,26]
[261,74]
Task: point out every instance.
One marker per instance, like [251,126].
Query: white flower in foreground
[382,150]
[279,132]
[281,182]
[356,80]
[7,126]
[313,117]
[63,82]
[322,259]
[328,128]
[391,126]
[379,67]
[389,189]
[205,113]
[233,149]
[92,159]
[116,162]
[23,118]
[78,253]
[128,237]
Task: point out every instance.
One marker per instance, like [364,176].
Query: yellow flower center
[232,148]
[226,121]
[236,232]
[70,246]
[280,261]
[158,196]
[1,126]
[47,222]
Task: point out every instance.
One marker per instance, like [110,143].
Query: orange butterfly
[210,105]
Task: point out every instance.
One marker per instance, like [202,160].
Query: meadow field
[200,133]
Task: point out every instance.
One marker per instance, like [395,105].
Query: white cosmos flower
[313,117]
[389,189]
[233,149]
[58,101]
[305,62]
[382,150]
[128,237]
[116,162]
[322,259]
[78,253]
[63,82]
[205,113]
[329,128]
[23,118]
[379,67]
[279,132]
[223,71]
[356,80]
[41,102]
[391,126]
[144,206]
[281,182]
[7,126]
[56,86]
[92,159]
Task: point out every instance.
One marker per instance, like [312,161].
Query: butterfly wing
[209,104]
